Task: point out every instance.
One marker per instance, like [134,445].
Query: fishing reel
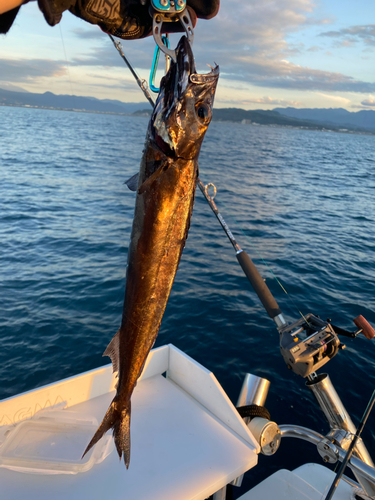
[308,344]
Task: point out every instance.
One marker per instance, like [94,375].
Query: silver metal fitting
[254,391]
[341,438]
[267,434]
[280,321]
[328,451]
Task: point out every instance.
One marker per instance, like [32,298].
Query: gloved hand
[126,19]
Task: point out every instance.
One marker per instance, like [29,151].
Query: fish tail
[121,434]
[119,421]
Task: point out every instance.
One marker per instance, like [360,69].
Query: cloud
[369,102]
[285,75]
[350,36]
[26,70]
[339,99]
[128,86]
[248,39]
[256,27]
[11,87]
[263,100]
[314,48]
[248,52]
[92,33]
[252,47]
[313,21]
[138,54]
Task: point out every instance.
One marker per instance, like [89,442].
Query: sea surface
[301,203]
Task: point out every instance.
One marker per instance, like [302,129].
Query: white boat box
[187,439]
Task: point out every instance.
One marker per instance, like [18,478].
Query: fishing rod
[248,267]
[306,344]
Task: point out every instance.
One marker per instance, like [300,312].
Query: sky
[271,53]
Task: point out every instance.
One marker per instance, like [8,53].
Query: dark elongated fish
[164,204]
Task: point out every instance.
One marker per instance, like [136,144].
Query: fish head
[183,109]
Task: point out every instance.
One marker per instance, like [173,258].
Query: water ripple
[301,200]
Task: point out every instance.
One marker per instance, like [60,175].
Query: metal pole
[338,418]
[351,448]
[355,464]
[335,412]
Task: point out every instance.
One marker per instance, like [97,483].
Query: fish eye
[203,111]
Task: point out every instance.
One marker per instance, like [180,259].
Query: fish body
[164,203]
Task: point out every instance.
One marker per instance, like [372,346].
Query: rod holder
[338,418]
[254,391]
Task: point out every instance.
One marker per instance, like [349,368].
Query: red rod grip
[367,330]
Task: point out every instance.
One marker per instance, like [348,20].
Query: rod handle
[257,282]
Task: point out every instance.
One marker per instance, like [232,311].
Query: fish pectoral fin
[132,183]
[113,352]
[163,167]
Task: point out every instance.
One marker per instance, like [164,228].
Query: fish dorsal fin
[113,351]
[132,183]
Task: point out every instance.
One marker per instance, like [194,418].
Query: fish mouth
[187,72]
[185,66]
[181,81]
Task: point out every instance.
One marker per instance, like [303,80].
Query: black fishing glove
[126,19]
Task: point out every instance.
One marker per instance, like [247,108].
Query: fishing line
[66,60]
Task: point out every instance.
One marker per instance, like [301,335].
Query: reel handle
[367,330]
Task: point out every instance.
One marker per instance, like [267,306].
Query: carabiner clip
[155,63]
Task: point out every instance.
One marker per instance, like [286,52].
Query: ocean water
[301,201]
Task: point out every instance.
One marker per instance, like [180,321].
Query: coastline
[145,114]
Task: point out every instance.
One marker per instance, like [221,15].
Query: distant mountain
[339,116]
[71,102]
[128,107]
[258,116]
[142,112]
[315,119]
[262,117]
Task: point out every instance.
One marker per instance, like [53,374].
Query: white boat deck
[188,440]
[308,482]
